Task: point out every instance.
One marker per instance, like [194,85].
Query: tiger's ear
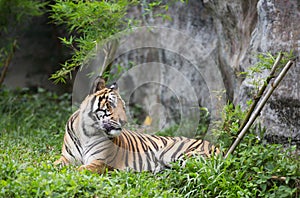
[98,84]
[114,87]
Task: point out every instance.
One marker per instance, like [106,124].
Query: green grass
[32,128]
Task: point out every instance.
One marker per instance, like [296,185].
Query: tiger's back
[96,139]
[155,153]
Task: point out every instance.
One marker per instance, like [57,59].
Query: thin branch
[260,106]
[7,62]
[261,91]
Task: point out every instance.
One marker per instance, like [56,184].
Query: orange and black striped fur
[96,140]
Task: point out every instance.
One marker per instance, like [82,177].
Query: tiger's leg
[95,166]
[62,161]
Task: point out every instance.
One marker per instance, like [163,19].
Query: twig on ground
[278,178]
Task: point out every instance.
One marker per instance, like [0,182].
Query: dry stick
[278,178]
[260,106]
[261,91]
[7,62]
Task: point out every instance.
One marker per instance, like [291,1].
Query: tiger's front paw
[83,167]
[61,162]
[96,167]
[91,168]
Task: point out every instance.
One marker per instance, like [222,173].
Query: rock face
[245,28]
[278,29]
[228,34]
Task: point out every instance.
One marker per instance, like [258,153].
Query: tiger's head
[103,110]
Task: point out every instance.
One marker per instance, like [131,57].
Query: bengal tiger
[96,139]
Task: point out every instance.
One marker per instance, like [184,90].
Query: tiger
[96,140]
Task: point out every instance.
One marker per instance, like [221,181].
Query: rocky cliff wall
[278,29]
[228,36]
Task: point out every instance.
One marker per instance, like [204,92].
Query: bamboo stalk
[261,91]
[259,107]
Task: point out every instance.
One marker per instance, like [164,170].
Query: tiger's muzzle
[112,128]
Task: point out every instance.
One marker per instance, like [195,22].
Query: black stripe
[140,145]
[194,145]
[179,148]
[135,147]
[75,140]
[97,117]
[148,156]
[154,160]
[128,140]
[115,155]
[71,121]
[126,157]
[133,142]
[153,142]
[119,141]
[164,141]
[141,136]
[69,151]
[166,150]
[151,158]
[91,146]
[138,159]
[156,137]
[92,103]
[99,101]
[134,160]
[145,146]
[99,151]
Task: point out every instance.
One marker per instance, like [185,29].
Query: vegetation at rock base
[31,129]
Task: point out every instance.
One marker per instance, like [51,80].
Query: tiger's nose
[107,126]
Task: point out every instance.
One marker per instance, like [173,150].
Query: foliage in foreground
[31,129]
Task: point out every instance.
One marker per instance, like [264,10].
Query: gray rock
[278,29]
[229,34]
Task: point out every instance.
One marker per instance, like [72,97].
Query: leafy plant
[228,128]
[89,23]
[248,174]
[265,63]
